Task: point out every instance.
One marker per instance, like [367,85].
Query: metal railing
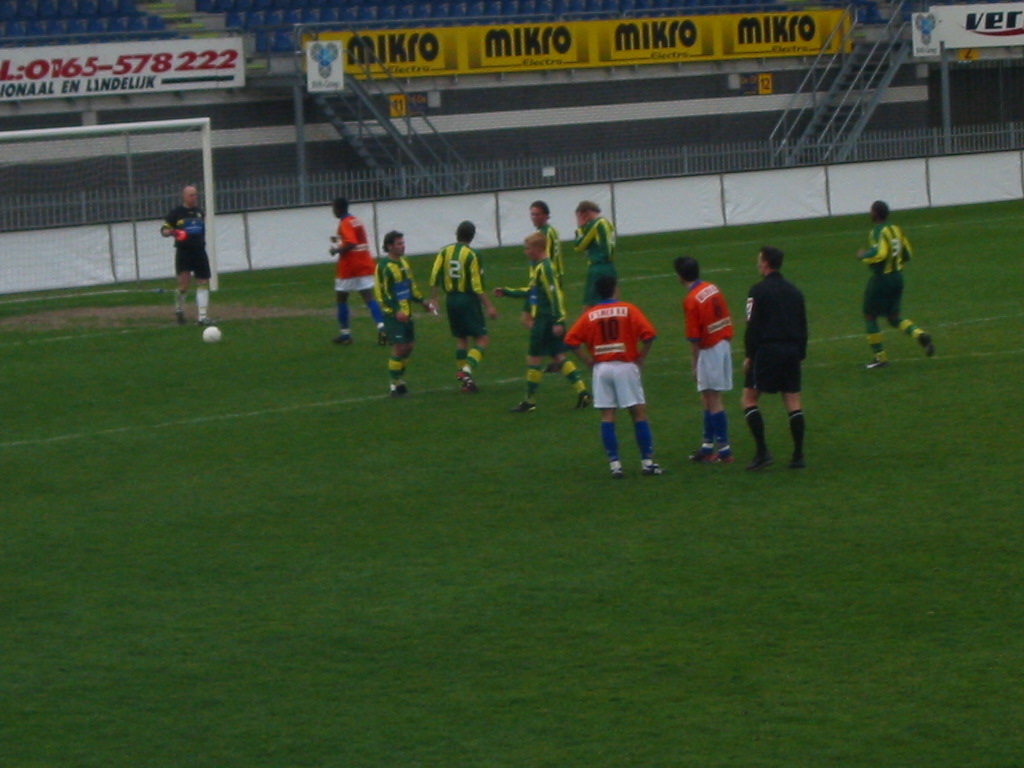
[78,207]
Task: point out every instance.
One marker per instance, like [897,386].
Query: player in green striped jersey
[595,236]
[889,250]
[395,289]
[547,324]
[540,215]
[458,271]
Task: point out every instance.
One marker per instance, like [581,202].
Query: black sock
[796,428]
[756,425]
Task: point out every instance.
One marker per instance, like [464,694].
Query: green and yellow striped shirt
[457,269]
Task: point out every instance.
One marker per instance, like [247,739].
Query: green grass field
[246,554]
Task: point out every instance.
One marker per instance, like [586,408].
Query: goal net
[83,206]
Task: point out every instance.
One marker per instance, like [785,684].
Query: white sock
[202,301]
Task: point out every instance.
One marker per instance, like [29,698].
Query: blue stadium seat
[329,14]
[423,10]
[224,6]
[311,15]
[253,19]
[205,6]
[282,41]
[367,13]
[293,16]
[15,28]
[273,17]
[262,5]
[387,12]
[96,25]
[35,28]
[88,8]
[155,23]
[509,7]
[8,10]
[127,8]
[475,8]
[262,40]
[234,20]
[137,24]
[117,24]
[243,5]
[27,9]
[107,7]
[492,9]
[56,27]
[46,9]
[76,26]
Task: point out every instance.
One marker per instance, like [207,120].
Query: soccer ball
[211,334]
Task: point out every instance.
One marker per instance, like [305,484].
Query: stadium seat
[56,27]
[234,20]
[273,18]
[88,8]
[282,41]
[262,41]
[35,28]
[8,10]
[492,9]
[310,15]
[96,25]
[509,7]
[27,10]
[387,12]
[15,28]
[348,14]
[423,10]
[367,13]
[106,7]
[76,26]
[137,23]
[474,9]
[155,23]
[117,24]
[292,16]
[127,8]
[329,14]
[46,10]
[205,6]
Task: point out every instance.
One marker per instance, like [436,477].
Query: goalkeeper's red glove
[180,235]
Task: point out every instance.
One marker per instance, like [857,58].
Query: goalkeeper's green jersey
[457,269]
[544,293]
[890,250]
[596,238]
[395,288]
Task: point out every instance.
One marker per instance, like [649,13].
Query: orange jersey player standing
[618,338]
[354,272]
[709,330]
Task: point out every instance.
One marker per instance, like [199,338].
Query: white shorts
[714,368]
[617,385]
[354,284]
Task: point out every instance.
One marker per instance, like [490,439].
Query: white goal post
[83,205]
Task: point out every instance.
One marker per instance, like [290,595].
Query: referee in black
[776,345]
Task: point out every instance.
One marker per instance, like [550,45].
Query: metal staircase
[835,101]
[407,150]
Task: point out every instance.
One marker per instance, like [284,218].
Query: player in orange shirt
[709,330]
[354,272]
[618,338]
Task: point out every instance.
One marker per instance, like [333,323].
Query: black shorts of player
[883,295]
[775,368]
[543,342]
[191,261]
[465,316]
[399,333]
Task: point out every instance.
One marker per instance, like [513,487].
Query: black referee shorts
[775,368]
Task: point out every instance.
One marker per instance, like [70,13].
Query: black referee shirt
[775,314]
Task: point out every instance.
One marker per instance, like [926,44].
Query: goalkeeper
[187,225]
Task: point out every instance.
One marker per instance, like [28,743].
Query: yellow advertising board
[473,50]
